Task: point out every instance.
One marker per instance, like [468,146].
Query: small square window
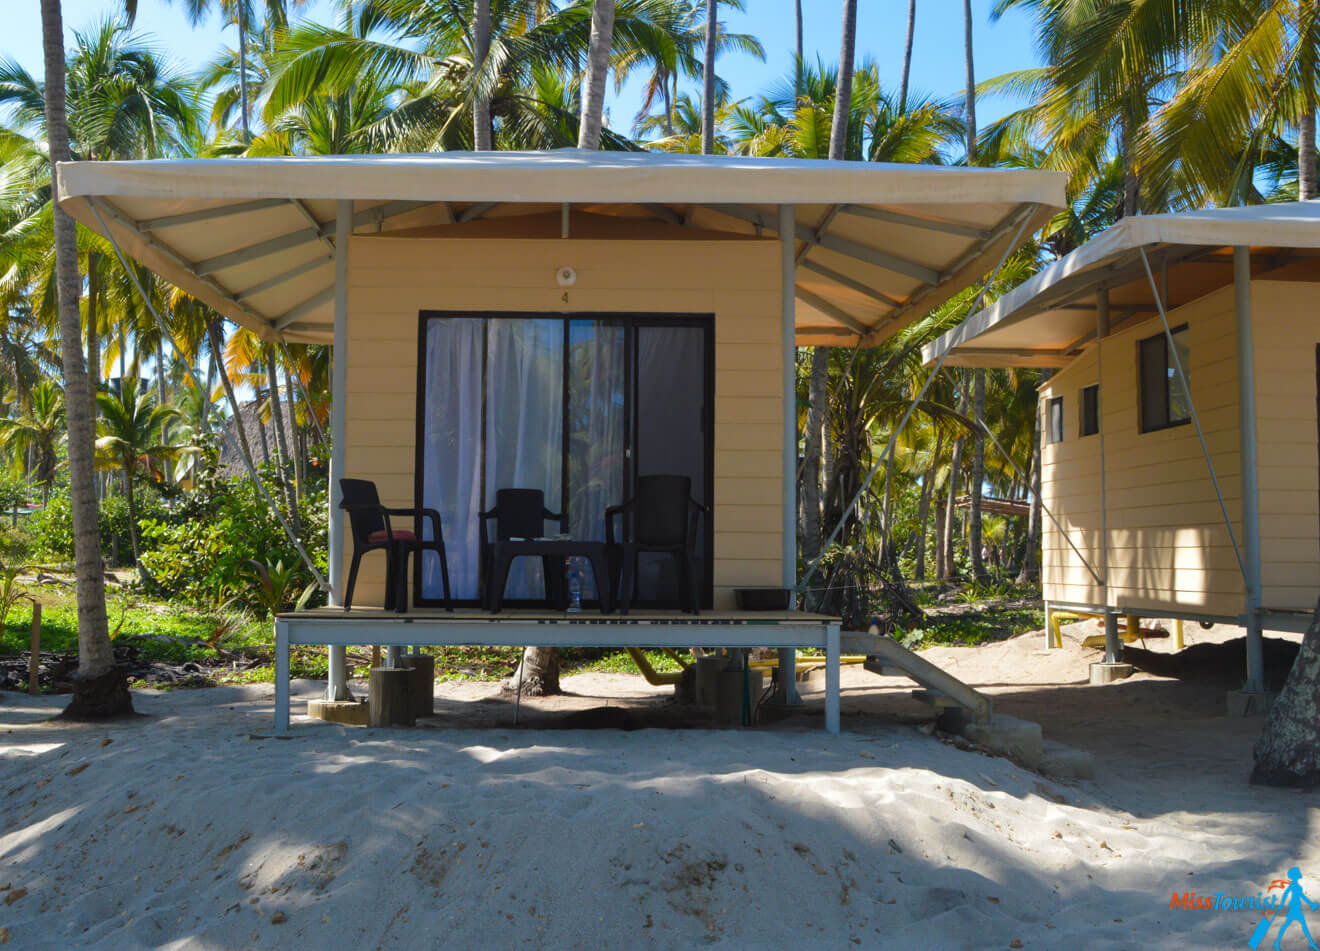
[1054,419]
[1090,406]
[1165,401]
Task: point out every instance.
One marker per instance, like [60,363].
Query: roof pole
[787,338]
[1250,486]
[1113,645]
[337,687]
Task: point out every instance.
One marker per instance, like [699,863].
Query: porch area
[522,627]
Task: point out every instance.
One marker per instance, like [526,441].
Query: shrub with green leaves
[52,526]
[201,550]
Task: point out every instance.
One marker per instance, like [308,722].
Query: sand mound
[194,828]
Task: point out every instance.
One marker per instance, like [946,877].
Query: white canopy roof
[878,245]
[1048,319]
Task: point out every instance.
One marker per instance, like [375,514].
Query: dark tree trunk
[812,434]
[843,96]
[96,659]
[923,509]
[1030,572]
[797,47]
[482,130]
[907,56]
[970,106]
[708,81]
[539,671]
[1288,751]
[978,478]
[217,346]
[281,440]
[949,532]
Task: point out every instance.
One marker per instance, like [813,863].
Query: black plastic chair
[373,530]
[519,515]
[663,516]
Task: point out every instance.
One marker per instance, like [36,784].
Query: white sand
[193,828]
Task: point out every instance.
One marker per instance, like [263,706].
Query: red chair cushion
[400,535]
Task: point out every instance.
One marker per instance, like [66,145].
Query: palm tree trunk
[708,81]
[93,330]
[100,689]
[907,56]
[245,107]
[978,478]
[598,64]
[1288,751]
[132,518]
[843,96]
[812,433]
[797,48]
[205,413]
[1306,174]
[970,107]
[217,349]
[281,443]
[162,395]
[296,430]
[481,125]
[1030,572]
[923,508]
[949,531]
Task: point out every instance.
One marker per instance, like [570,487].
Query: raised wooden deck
[514,627]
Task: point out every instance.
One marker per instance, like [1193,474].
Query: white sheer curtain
[525,423]
[595,431]
[451,472]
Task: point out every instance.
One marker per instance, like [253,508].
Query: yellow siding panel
[392,279]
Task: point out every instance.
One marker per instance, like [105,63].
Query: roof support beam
[842,246]
[311,220]
[848,282]
[476,211]
[665,213]
[279,279]
[292,315]
[252,252]
[911,221]
[819,234]
[209,214]
[166,251]
[831,311]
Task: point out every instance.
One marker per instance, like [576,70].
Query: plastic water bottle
[574,591]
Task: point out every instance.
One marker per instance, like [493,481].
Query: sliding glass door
[575,406]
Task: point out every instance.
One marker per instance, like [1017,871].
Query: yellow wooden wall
[391,279]
[1168,546]
[1285,333]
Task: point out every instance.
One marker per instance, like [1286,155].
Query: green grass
[995,623]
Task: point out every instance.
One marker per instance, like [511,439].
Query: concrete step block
[1065,762]
[1019,739]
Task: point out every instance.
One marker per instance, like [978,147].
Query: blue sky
[937,58]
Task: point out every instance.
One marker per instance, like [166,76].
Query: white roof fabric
[878,245]
[1044,320]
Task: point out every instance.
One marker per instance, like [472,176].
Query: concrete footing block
[1109,673]
[1240,703]
[1019,739]
[347,712]
[1064,762]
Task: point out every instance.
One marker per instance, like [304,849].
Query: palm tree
[843,98]
[481,127]
[907,55]
[133,437]
[708,81]
[101,688]
[36,432]
[598,61]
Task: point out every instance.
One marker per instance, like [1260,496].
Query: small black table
[552,552]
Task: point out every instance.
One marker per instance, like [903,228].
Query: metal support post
[1250,485]
[337,686]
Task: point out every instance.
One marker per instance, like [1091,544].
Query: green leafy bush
[200,550]
[52,527]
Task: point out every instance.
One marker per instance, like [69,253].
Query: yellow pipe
[653,677]
[845,659]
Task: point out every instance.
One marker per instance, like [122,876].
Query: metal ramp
[888,658]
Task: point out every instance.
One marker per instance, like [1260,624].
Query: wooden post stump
[422,686]
[389,700]
[34,656]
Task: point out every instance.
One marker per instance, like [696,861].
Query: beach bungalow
[1179,468]
[565,321]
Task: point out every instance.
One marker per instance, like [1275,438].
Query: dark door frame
[630,322]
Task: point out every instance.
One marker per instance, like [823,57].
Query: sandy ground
[192,827]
